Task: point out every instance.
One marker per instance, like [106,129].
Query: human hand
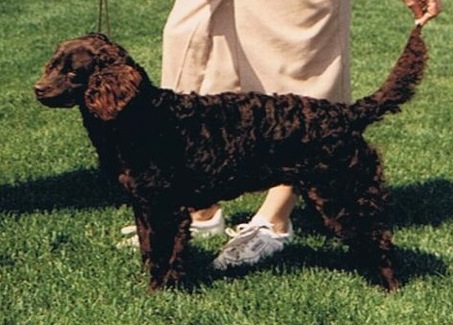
[424,10]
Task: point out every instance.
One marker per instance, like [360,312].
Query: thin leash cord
[102,5]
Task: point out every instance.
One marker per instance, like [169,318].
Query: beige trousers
[271,46]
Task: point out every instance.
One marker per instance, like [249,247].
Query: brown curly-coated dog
[173,151]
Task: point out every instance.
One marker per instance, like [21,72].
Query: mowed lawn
[60,220]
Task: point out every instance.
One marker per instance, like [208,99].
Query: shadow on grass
[428,203]
[79,189]
[411,265]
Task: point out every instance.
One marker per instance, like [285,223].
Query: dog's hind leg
[351,199]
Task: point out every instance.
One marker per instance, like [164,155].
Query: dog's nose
[40,89]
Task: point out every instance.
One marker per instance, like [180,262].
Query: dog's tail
[397,89]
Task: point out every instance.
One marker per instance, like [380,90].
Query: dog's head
[89,71]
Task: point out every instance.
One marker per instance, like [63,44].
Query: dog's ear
[110,90]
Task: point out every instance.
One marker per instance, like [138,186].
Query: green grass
[60,221]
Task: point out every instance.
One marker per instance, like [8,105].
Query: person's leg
[204,214]
[187,44]
[277,207]
[294,46]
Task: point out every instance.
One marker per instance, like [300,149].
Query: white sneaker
[208,228]
[129,242]
[250,243]
[203,229]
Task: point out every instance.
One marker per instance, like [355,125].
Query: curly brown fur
[173,152]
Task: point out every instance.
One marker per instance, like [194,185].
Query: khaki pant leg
[198,47]
[299,46]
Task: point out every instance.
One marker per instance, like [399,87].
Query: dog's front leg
[163,234]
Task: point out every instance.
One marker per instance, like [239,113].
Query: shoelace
[239,229]
[242,234]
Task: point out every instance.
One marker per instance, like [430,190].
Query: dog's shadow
[80,189]
[428,203]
